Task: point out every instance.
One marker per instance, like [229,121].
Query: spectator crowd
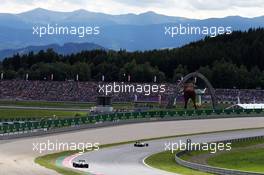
[88,91]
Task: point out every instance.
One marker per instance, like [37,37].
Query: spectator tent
[248,106]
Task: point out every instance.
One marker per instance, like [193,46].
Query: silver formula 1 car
[80,164]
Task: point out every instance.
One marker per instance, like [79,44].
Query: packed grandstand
[88,91]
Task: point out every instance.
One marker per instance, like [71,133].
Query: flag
[135,99]
[27,77]
[155,78]
[159,99]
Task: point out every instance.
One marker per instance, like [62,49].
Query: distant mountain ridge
[144,31]
[65,49]
[40,15]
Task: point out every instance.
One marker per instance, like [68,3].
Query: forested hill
[227,60]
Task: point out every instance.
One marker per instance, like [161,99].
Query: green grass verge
[243,156]
[9,113]
[29,113]
[45,104]
[79,105]
[165,161]
[249,160]
[49,161]
[235,145]
[84,105]
[246,160]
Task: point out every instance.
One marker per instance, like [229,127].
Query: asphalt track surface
[127,159]
[17,156]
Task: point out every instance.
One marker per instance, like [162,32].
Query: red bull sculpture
[189,93]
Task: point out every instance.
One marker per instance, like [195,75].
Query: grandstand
[77,91]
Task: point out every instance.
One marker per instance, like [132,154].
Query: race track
[17,156]
[127,159]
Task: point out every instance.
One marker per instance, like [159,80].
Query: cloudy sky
[186,8]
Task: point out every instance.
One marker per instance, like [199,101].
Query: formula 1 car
[80,164]
[141,144]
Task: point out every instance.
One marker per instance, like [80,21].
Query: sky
[199,9]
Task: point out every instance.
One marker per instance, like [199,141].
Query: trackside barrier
[25,125]
[216,170]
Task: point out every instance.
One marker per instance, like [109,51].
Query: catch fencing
[22,125]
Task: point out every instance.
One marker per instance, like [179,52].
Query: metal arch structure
[185,79]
